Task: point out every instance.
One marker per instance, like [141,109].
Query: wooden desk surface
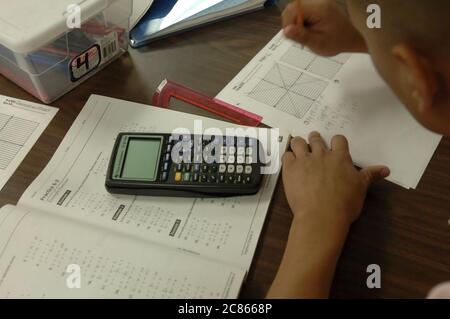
[407,233]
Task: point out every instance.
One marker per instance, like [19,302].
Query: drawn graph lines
[288,90]
[308,61]
[14,133]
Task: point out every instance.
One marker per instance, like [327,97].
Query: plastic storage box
[48,47]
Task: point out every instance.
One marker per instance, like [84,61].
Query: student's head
[411,51]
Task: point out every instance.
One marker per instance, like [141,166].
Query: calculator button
[239,179]
[241,151]
[196,167]
[248,180]
[212,178]
[169,148]
[187,177]
[222,168]
[217,140]
[222,178]
[198,158]
[248,169]
[166,166]
[239,169]
[204,178]
[232,150]
[249,160]
[230,179]
[249,151]
[241,141]
[187,167]
[231,169]
[186,158]
[167,158]
[178,177]
[164,176]
[231,159]
[179,167]
[209,159]
[230,140]
[223,150]
[222,159]
[240,160]
[205,168]
[214,168]
[195,177]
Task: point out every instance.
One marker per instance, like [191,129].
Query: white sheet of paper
[140,8]
[295,89]
[21,124]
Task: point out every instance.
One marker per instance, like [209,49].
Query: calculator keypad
[199,164]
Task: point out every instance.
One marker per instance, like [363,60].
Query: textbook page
[21,125]
[295,89]
[46,256]
[73,185]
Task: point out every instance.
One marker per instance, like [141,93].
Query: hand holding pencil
[322,26]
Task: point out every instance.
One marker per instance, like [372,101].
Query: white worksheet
[21,124]
[291,87]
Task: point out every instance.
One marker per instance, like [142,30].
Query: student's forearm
[309,262]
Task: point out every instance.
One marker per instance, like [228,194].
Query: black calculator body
[184,165]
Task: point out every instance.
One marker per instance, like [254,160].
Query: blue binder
[160,17]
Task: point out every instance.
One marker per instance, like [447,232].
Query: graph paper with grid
[295,82]
[14,133]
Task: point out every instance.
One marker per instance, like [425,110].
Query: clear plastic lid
[27,25]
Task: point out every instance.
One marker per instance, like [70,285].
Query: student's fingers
[316,143]
[289,15]
[293,24]
[299,147]
[287,158]
[373,174]
[339,143]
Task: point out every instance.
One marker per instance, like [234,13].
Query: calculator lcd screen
[142,159]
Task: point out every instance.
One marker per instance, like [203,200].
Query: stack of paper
[293,88]
[171,16]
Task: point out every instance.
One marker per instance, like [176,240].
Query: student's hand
[322,185]
[326,194]
[322,26]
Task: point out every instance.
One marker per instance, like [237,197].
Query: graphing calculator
[185,165]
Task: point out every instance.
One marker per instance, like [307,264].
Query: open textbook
[21,125]
[293,88]
[124,246]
